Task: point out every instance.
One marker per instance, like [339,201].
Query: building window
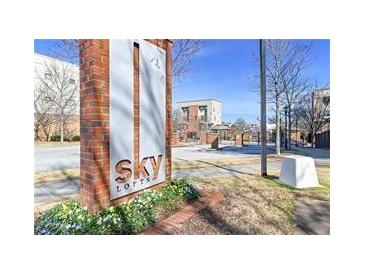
[326,100]
[72,81]
[47,76]
[185,111]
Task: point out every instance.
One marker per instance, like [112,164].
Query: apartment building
[193,117]
[64,75]
[321,99]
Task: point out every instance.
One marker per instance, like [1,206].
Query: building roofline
[199,100]
[58,59]
[321,89]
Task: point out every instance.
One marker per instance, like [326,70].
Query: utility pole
[263,107]
[313,119]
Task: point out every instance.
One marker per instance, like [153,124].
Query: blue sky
[221,71]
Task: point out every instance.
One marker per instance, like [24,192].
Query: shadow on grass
[223,226]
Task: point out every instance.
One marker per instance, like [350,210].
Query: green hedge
[76,138]
[128,218]
[57,138]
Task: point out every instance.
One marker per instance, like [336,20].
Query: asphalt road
[54,158]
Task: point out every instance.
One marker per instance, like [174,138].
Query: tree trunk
[36,133]
[277,117]
[61,127]
[289,128]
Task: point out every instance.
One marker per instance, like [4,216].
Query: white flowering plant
[128,218]
[65,218]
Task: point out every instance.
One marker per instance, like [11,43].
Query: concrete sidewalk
[320,156]
[312,217]
[56,157]
[54,191]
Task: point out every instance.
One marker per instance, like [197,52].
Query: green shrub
[57,138]
[128,218]
[76,138]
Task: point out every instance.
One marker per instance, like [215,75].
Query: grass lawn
[74,173]
[56,175]
[252,205]
[185,164]
[54,144]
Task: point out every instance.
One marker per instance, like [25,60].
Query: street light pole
[263,107]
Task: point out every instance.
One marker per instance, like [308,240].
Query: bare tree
[66,49]
[276,65]
[178,123]
[43,117]
[313,113]
[59,91]
[280,121]
[183,52]
[239,125]
[295,86]
[292,95]
[286,60]
[240,121]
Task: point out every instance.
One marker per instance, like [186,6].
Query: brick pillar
[94,123]
[175,139]
[214,140]
[203,137]
[239,139]
[167,45]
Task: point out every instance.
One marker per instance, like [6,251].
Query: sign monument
[126,122]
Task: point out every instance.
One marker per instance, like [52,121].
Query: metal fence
[322,140]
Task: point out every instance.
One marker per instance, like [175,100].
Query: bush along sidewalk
[129,218]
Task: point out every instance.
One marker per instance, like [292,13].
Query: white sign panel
[152,98]
[121,111]
[127,176]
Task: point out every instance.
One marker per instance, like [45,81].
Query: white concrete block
[298,171]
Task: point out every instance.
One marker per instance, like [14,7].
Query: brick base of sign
[208,198]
